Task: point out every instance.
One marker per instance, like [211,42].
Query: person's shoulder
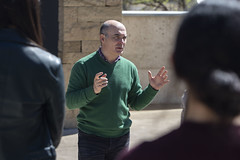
[154,149]
[36,56]
[86,58]
[42,56]
[82,62]
[44,63]
[145,150]
[127,62]
[165,141]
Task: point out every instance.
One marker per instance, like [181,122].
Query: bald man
[103,85]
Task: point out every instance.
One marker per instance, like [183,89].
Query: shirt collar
[104,58]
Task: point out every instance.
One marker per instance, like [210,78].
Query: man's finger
[105,75]
[161,70]
[165,78]
[98,75]
[149,75]
[164,73]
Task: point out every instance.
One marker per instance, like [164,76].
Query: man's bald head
[110,23]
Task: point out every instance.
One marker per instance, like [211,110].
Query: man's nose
[121,40]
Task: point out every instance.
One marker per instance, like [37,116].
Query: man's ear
[102,38]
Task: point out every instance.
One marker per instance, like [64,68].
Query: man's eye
[116,37]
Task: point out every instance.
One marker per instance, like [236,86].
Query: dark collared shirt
[105,59]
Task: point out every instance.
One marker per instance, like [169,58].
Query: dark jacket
[191,141]
[31,99]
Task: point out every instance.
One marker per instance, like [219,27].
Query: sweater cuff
[151,91]
[152,88]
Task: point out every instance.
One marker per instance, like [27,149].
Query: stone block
[72,47]
[60,48]
[60,54]
[82,31]
[60,34]
[148,60]
[113,2]
[60,13]
[60,45]
[99,14]
[70,17]
[119,18]
[67,71]
[90,46]
[70,58]
[60,2]
[152,42]
[84,2]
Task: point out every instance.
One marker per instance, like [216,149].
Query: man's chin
[120,52]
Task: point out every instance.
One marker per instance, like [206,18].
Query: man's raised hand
[100,81]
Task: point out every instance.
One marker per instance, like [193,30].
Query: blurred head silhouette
[22,15]
[206,55]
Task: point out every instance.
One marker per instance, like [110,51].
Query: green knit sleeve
[78,93]
[138,98]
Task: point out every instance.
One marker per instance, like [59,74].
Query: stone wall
[151,37]
[149,46]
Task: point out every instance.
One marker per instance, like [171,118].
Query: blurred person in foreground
[104,85]
[206,57]
[31,86]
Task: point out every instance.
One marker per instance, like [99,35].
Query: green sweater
[106,114]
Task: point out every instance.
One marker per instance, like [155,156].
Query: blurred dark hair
[207,55]
[104,27]
[24,15]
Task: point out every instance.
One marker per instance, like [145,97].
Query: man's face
[114,41]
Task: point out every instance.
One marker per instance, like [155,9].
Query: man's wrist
[153,87]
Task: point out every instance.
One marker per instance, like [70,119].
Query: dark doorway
[49,20]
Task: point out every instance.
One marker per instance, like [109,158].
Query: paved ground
[147,125]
